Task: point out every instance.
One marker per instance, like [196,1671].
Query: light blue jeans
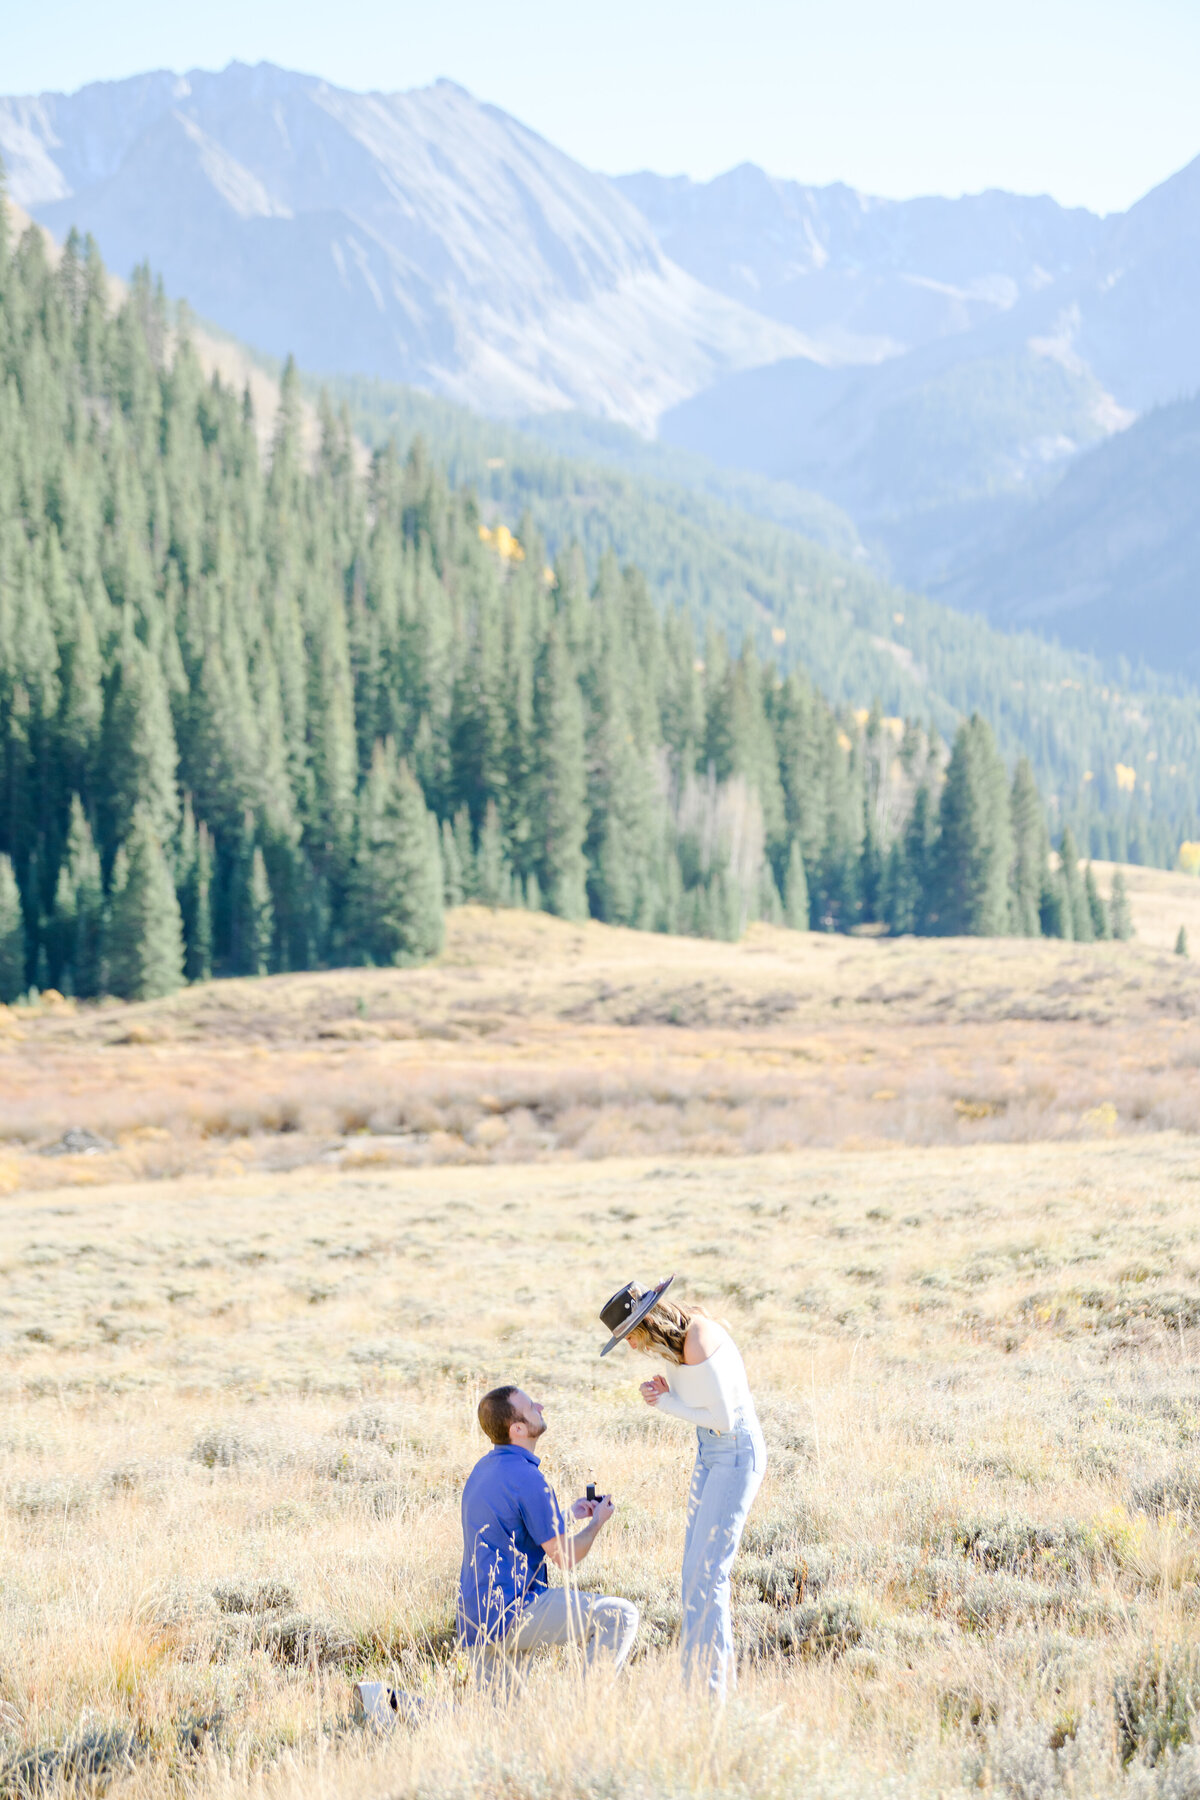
[729,1469]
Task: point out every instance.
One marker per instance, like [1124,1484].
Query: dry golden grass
[236,1415]
[536,1040]
[240,1350]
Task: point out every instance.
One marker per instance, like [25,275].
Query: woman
[707,1385]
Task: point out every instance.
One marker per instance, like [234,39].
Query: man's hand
[654,1389]
[569,1552]
[588,1509]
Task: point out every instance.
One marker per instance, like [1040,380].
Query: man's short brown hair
[497,1412]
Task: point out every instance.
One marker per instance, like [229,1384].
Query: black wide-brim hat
[623,1312]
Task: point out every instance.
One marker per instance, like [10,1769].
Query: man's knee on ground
[614,1619]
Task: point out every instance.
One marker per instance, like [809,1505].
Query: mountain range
[961,376]
[863,278]
[421,236]
[1083,325]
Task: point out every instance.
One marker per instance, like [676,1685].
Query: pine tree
[834,893]
[491,866]
[87,956]
[912,884]
[251,907]
[1181,942]
[452,873]
[621,803]
[1118,909]
[12,932]
[899,895]
[795,890]
[974,847]
[559,816]
[871,867]
[138,751]
[671,905]
[464,851]
[81,710]
[76,936]
[395,900]
[1054,910]
[145,931]
[1097,911]
[195,895]
[1074,895]
[1031,850]
[199,962]
[770,904]
[682,700]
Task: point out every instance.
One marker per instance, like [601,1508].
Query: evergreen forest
[270,714]
[1115,750]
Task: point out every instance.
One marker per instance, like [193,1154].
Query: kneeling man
[512,1525]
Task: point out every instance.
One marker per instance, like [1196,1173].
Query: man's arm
[568,1552]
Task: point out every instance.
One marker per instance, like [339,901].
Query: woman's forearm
[717,1419]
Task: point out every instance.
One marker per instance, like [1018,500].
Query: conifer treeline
[258,719]
[1115,754]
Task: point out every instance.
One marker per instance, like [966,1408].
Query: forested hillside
[1116,753]
[257,718]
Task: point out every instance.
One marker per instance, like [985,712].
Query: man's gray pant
[600,1624]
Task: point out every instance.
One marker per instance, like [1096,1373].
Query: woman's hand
[654,1389]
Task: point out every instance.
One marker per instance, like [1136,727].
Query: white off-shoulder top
[715,1392]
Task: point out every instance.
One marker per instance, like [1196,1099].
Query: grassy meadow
[947,1196]
[531,1039]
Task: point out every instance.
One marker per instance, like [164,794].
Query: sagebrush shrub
[224,1447]
[1020,1545]
[816,1628]
[1156,1702]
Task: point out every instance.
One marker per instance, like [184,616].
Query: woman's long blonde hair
[662,1331]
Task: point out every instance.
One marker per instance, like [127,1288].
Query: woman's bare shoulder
[704,1336]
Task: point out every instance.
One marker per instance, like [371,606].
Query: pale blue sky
[1093,101]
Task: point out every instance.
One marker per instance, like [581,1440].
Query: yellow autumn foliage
[1101,1119]
[893,726]
[1126,778]
[501,540]
[1189,857]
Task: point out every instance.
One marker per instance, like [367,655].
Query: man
[512,1526]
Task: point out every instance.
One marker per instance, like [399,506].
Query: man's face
[529,1423]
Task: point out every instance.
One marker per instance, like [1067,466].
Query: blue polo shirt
[508,1512]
